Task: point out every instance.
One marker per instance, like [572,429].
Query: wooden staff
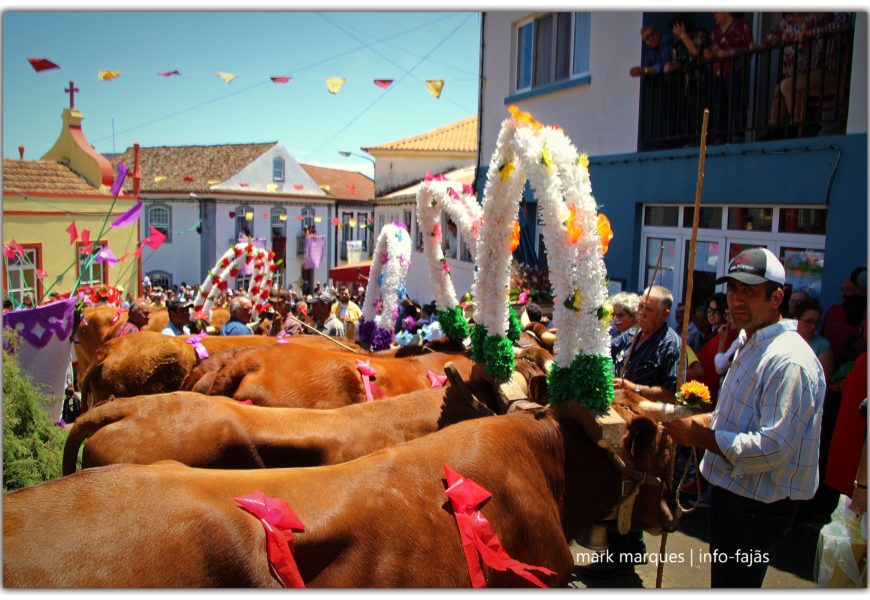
[687,314]
[646,297]
[318,332]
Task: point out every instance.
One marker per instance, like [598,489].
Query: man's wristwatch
[637,388]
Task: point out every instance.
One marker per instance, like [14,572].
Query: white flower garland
[560,179]
[392,258]
[458,201]
[260,287]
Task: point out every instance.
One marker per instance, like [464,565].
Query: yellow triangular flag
[318,219]
[435,86]
[333,84]
[352,222]
[159,178]
[213,181]
[271,187]
[104,75]
[324,187]
[227,77]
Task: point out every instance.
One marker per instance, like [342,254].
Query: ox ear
[538,390]
[640,439]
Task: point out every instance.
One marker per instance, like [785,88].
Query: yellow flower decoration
[604,232]
[515,237]
[574,231]
[505,170]
[546,159]
[584,161]
[575,300]
[693,393]
[523,117]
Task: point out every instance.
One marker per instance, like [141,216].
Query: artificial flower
[693,393]
[515,236]
[604,232]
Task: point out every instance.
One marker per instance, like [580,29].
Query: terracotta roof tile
[38,176]
[198,164]
[343,185]
[460,136]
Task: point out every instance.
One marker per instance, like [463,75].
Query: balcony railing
[751,96]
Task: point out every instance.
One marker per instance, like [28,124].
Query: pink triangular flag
[280,79]
[73,232]
[41,64]
[106,255]
[154,240]
[383,83]
[436,380]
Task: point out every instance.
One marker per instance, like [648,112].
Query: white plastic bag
[841,554]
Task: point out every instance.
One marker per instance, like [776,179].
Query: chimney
[136,170]
[21,152]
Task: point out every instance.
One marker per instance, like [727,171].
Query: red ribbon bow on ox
[280,522]
[366,371]
[477,534]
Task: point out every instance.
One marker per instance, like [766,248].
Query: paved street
[792,567]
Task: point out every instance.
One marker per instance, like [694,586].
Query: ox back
[382,520]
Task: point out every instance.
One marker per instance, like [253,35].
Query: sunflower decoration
[693,394]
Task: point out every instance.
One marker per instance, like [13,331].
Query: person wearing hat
[282,301]
[179,317]
[347,311]
[138,316]
[327,322]
[763,436]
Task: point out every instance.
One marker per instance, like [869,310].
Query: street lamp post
[348,153]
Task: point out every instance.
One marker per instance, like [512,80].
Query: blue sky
[199,108]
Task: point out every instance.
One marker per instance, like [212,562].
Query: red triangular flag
[383,83]
[298,186]
[188,179]
[154,240]
[41,64]
[138,252]
[335,221]
[280,79]
[73,232]
[87,244]
[244,184]
[41,274]
[300,217]
[169,73]
[13,249]
[350,189]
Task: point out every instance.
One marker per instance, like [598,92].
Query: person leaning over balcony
[656,51]
[687,56]
[731,38]
[763,436]
[798,30]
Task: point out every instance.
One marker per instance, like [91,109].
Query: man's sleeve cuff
[725,441]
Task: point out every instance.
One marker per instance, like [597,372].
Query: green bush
[32,444]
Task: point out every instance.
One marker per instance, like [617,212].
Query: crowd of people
[714,70]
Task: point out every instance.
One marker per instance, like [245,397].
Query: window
[664,274]
[803,220]
[159,216]
[803,268]
[279,225]
[750,219]
[95,273]
[552,48]
[243,224]
[278,169]
[160,279]
[408,220]
[21,274]
[710,217]
[307,219]
[362,220]
[661,216]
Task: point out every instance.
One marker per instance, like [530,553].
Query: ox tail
[86,426]
[95,370]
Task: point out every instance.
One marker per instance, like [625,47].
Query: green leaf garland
[498,352]
[588,381]
[453,323]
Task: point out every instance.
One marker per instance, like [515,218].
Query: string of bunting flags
[333,84]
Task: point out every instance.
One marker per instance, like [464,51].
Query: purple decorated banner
[129,217]
[313,252]
[119,180]
[37,325]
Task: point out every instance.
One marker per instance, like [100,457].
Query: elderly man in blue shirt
[763,436]
[656,51]
[240,314]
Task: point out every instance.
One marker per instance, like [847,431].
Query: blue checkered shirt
[768,418]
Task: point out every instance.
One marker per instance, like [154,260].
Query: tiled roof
[343,185]
[40,176]
[460,136]
[201,164]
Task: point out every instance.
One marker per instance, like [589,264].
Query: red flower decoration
[255,290]
[215,280]
[237,251]
[223,285]
[225,262]
[234,272]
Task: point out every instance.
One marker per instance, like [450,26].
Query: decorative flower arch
[436,194]
[228,266]
[576,237]
[392,258]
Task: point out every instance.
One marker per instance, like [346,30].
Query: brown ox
[219,433]
[382,520]
[97,327]
[301,376]
[149,363]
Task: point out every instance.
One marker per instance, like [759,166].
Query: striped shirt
[768,418]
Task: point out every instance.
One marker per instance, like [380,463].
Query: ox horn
[657,411]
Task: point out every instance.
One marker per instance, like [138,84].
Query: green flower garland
[589,381]
[515,328]
[453,323]
[478,335]
[498,352]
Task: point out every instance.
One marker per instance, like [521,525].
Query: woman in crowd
[731,39]
[624,312]
[687,56]
[723,336]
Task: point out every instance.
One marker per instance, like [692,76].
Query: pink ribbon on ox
[280,522]
[366,371]
[196,342]
[478,536]
[436,380]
